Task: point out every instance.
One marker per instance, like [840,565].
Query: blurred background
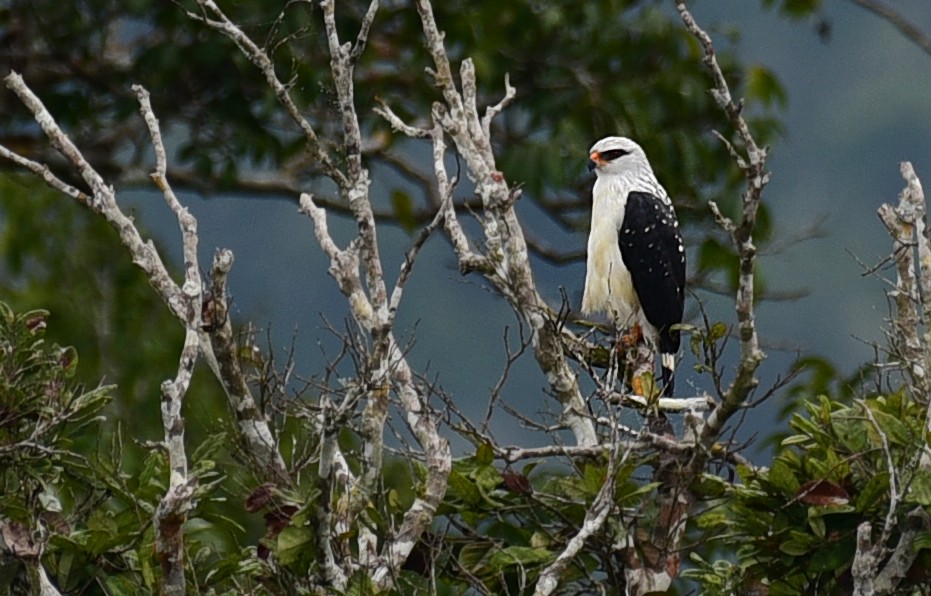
[838,93]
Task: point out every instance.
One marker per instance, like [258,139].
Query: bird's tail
[668,366]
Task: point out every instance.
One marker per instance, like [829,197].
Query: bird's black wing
[653,253]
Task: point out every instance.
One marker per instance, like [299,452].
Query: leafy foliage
[82,507]
[791,528]
[65,497]
[64,260]
[498,528]
[44,480]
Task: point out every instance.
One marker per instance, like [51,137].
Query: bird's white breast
[608,287]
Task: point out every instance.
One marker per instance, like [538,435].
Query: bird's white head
[619,156]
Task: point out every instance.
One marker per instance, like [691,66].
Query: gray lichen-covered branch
[505,259]
[186,303]
[359,273]
[255,434]
[173,508]
[880,567]
[752,161]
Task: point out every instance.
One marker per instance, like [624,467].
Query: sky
[859,103]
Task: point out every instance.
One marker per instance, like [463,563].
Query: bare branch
[897,20]
[864,565]
[264,63]
[374,311]
[364,29]
[879,568]
[906,224]
[491,111]
[43,171]
[900,222]
[222,352]
[344,264]
[666,404]
[104,201]
[506,263]
[174,506]
[891,521]
[594,520]
[896,567]
[754,166]
[408,265]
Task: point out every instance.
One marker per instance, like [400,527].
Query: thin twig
[897,20]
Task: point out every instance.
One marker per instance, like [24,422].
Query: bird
[635,270]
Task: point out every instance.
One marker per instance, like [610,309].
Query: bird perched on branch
[636,259]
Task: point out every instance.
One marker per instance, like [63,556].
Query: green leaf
[402,204]
[485,455]
[795,440]
[487,478]
[526,470]
[292,543]
[718,331]
[711,486]
[764,86]
[919,491]
[118,585]
[210,447]
[462,489]
[832,556]
[922,541]
[640,490]
[360,584]
[873,492]
[394,501]
[783,479]
[712,519]
[520,555]
[540,540]
[895,431]
[593,478]
[68,359]
[798,544]
[850,429]
[472,556]
[816,523]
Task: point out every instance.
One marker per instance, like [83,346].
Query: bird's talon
[636,385]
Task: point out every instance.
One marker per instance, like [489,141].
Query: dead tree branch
[899,21]
[255,433]
[174,506]
[505,262]
[874,569]
[595,518]
[753,164]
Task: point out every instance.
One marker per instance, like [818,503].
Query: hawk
[636,259]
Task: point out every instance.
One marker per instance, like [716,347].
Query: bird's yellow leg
[629,348]
[636,385]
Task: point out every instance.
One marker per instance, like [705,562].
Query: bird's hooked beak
[594,160]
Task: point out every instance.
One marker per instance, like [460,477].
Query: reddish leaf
[57,522]
[278,519]
[36,323]
[260,497]
[822,492]
[517,483]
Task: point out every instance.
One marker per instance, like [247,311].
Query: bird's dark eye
[613,154]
